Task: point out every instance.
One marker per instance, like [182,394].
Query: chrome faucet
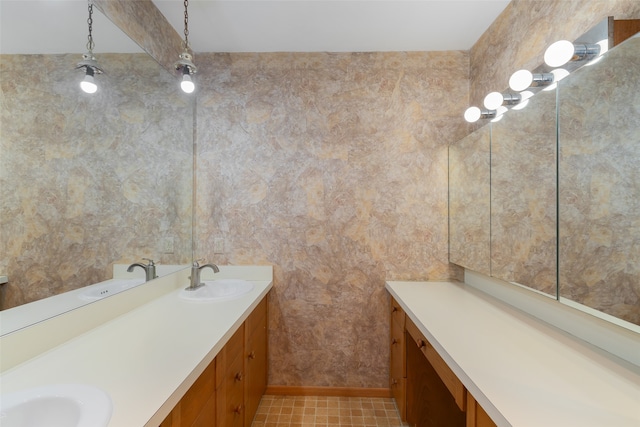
[195,274]
[149,269]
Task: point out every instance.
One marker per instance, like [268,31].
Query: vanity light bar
[557,55]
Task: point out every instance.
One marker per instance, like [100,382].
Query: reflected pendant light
[89,63]
[185,65]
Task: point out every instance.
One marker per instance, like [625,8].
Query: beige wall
[89,180]
[333,168]
[521,34]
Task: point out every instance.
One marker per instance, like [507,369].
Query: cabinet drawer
[397,315]
[232,350]
[231,395]
[398,359]
[454,385]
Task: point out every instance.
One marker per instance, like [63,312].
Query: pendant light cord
[186,24]
[90,44]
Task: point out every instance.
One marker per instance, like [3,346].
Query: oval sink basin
[60,405]
[109,287]
[218,290]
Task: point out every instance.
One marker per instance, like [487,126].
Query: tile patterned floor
[309,411]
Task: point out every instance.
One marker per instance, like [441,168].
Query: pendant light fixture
[89,63]
[185,65]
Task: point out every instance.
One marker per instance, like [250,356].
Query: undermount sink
[109,287]
[59,405]
[218,290]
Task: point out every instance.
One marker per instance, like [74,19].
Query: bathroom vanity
[168,361]
[462,356]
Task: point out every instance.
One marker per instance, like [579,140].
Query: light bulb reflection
[499,113]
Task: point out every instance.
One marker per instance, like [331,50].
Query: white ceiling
[57,26]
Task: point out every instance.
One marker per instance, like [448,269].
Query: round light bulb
[493,100]
[186,84]
[472,114]
[526,94]
[88,84]
[520,80]
[559,53]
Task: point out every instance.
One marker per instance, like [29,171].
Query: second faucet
[195,274]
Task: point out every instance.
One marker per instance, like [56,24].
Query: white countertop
[145,359]
[523,372]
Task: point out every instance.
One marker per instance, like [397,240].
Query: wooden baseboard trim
[283,390]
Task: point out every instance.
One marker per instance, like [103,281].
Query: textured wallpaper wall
[88,181]
[332,168]
[521,34]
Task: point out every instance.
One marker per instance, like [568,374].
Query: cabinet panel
[397,314]
[476,416]
[230,391]
[255,361]
[398,370]
[429,402]
[448,377]
[197,399]
[257,319]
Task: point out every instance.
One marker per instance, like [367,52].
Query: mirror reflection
[599,185]
[469,199]
[87,181]
[523,195]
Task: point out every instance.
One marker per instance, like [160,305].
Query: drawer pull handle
[252,355]
[421,343]
[238,409]
[238,376]
[394,309]
[394,341]
[394,382]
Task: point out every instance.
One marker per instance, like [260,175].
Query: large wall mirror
[469,201]
[599,184]
[565,196]
[523,195]
[86,181]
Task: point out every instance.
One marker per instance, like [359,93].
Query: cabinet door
[255,360]
[197,408]
[230,389]
[397,371]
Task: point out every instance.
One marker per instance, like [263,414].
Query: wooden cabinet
[398,369]
[476,415]
[426,390]
[230,382]
[197,408]
[255,360]
[431,390]
[228,392]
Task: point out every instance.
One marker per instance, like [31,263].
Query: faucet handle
[150,261]
[197,262]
